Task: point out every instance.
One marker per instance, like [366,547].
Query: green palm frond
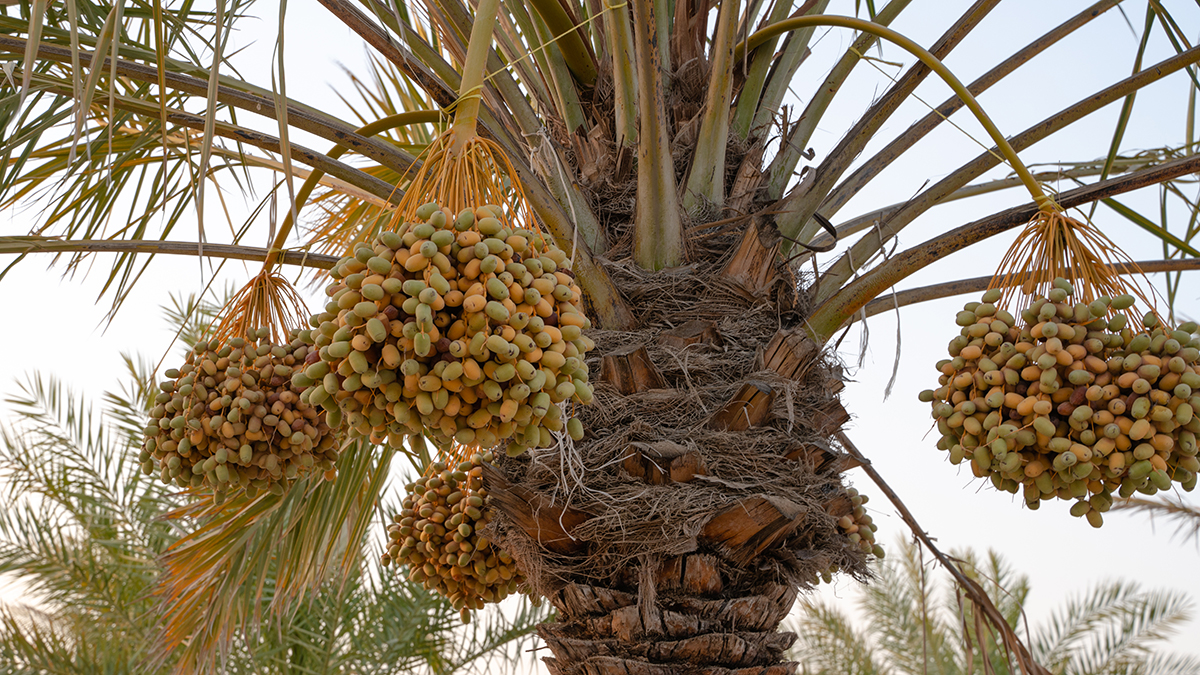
[1007,587]
[908,625]
[33,642]
[193,315]
[116,159]
[1128,636]
[1114,628]
[366,621]
[126,405]
[828,643]
[89,482]
[351,626]
[129,180]
[1161,664]
[1172,508]
[899,595]
[79,528]
[1070,627]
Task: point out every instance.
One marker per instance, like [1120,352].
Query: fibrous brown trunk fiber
[706,493]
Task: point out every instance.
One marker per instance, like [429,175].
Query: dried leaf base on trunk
[704,496]
[604,631]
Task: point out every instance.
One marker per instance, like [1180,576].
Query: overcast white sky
[55,326]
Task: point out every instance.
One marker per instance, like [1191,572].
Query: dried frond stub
[231,419]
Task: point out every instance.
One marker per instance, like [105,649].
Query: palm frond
[1114,628]
[127,169]
[835,311]
[1161,664]
[940,113]
[250,559]
[33,641]
[1007,587]
[1172,508]
[862,251]
[87,479]
[908,626]
[828,643]
[78,528]
[1126,636]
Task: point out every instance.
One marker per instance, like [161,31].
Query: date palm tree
[912,622]
[655,142]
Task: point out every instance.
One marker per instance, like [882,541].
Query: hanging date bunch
[438,535]
[231,419]
[859,529]
[464,322]
[1081,395]
[461,328]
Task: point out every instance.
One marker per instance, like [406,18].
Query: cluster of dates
[457,327]
[1070,402]
[232,419]
[438,536]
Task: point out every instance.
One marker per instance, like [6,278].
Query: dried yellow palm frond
[344,219]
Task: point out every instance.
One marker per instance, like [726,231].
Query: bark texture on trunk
[706,494]
[603,631]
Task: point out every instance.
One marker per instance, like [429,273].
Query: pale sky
[1062,555]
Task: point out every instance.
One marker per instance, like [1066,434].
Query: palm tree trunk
[706,493]
[603,631]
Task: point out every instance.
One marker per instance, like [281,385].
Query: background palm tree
[83,532]
[1171,509]
[653,143]
[911,620]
